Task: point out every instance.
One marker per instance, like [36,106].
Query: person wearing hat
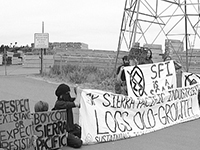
[120,85]
[65,101]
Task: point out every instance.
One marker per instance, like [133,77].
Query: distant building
[66,45]
[76,45]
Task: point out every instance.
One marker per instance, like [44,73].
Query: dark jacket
[66,102]
[123,77]
[146,61]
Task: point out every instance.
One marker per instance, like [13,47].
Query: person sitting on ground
[65,101]
[121,79]
[41,106]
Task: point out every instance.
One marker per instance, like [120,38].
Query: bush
[90,69]
[55,70]
[77,77]
[88,75]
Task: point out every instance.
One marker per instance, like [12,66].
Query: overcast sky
[94,22]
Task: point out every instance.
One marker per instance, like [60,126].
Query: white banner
[189,79]
[150,79]
[106,116]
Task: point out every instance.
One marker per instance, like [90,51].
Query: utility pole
[129,26]
[186,37]
[5,60]
[41,41]
[135,26]
[41,71]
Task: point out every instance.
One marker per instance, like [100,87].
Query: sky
[94,22]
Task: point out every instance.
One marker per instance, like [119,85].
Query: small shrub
[92,78]
[76,77]
[70,68]
[90,69]
[55,70]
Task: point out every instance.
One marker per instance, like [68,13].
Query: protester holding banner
[65,101]
[40,106]
[42,136]
[133,61]
[120,85]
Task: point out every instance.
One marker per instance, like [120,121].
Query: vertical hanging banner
[106,116]
[15,125]
[149,79]
[50,129]
[190,78]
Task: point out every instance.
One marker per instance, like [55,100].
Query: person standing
[120,85]
[148,58]
[133,61]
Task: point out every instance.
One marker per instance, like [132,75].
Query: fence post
[61,64]
[5,60]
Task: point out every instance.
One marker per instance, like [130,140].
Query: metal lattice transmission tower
[154,21]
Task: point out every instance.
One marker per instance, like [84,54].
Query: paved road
[18,70]
[185,136]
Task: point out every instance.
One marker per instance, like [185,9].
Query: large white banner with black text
[106,116]
[150,79]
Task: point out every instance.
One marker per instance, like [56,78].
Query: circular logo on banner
[137,81]
[190,79]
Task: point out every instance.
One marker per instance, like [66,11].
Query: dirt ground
[23,84]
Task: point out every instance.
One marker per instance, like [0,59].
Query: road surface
[22,84]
